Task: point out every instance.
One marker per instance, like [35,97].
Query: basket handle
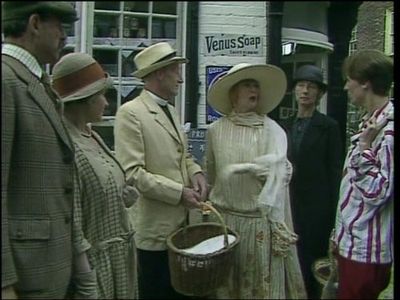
[212,208]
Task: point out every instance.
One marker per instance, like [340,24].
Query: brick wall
[370,35]
[371,24]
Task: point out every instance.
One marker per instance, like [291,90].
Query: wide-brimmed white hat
[77,76]
[272,81]
[155,57]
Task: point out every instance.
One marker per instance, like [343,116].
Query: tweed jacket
[37,168]
[155,156]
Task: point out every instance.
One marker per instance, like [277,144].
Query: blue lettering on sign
[212,74]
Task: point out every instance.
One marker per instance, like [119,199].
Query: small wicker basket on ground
[200,274]
[321,269]
[325,272]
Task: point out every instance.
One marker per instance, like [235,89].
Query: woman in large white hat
[249,173]
[102,231]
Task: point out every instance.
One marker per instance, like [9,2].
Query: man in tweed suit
[36,155]
[151,146]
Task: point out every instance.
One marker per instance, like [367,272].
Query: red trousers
[361,280]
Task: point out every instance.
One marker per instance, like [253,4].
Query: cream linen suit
[156,157]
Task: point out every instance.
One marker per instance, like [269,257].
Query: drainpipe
[274,32]
[274,39]
[192,73]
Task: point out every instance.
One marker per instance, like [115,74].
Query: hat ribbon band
[73,82]
[167,57]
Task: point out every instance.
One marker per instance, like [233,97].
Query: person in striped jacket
[363,234]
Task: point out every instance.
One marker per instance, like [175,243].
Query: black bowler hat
[310,73]
[15,10]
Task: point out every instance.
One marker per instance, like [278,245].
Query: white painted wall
[219,17]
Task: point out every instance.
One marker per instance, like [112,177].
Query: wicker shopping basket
[200,274]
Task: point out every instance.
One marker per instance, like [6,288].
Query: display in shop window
[136,6]
[111,96]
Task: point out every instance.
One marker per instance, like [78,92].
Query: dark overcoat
[37,165]
[314,187]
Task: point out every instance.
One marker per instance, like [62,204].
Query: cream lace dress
[257,272]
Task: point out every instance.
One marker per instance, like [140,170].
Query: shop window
[121,29]
[116,32]
[389,33]
[111,96]
[164,28]
[106,25]
[164,7]
[353,41]
[135,27]
[138,6]
[107,5]
[108,59]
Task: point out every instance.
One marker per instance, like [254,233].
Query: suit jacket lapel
[39,95]
[160,116]
[176,122]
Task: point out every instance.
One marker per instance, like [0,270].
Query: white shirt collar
[159,100]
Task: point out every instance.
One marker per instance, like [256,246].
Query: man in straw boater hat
[102,233]
[37,155]
[249,173]
[152,148]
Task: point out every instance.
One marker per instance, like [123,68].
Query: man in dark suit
[36,155]
[317,158]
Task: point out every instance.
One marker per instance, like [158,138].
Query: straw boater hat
[155,57]
[272,81]
[17,10]
[77,76]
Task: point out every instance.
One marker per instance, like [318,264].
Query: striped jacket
[364,217]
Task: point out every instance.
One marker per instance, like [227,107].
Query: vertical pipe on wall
[182,17]
[274,39]
[192,73]
[274,32]
[84,28]
[342,16]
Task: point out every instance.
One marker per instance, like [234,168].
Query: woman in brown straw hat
[249,173]
[103,234]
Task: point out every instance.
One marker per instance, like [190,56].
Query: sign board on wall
[233,45]
[196,143]
[212,74]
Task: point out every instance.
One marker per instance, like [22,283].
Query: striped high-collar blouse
[364,217]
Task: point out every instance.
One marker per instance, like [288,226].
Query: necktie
[168,113]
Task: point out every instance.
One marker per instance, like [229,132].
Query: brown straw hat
[272,81]
[154,58]
[77,76]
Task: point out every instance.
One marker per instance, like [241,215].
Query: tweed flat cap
[15,10]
